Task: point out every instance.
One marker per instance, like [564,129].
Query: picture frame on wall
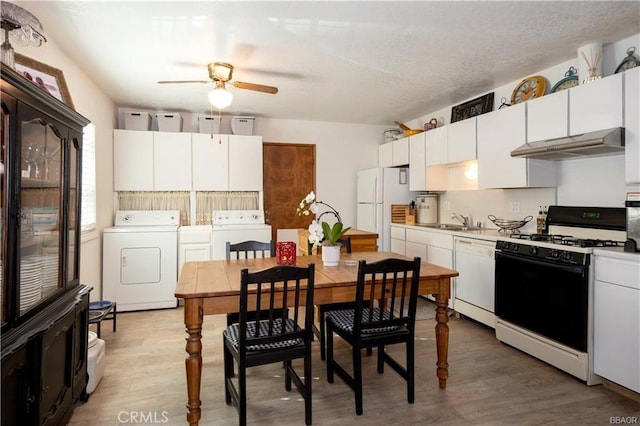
[46,77]
[477,106]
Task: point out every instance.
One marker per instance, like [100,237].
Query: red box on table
[286,253]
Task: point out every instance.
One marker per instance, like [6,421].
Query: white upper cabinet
[227,162]
[632,125]
[400,152]
[596,105]
[461,141]
[151,161]
[436,146]
[132,160]
[548,117]
[417,163]
[245,163]
[210,162]
[171,161]
[499,133]
[385,155]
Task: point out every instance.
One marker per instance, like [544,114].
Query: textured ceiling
[359,62]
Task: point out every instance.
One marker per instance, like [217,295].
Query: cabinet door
[499,133]
[436,145]
[400,152]
[210,162]
[171,161]
[57,371]
[440,256]
[548,117]
[415,250]
[19,390]
[385,155]
[245,163]
[417,163]
[132,160]
[461,141]
[596,105]
[632,125]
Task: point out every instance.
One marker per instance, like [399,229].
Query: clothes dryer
[140,259]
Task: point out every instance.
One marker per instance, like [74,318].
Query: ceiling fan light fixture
[220,97]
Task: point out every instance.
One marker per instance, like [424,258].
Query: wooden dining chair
[362,327]
[246,250]
[319,330]
[277,338]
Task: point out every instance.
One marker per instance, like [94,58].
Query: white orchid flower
[313,208]
[310,197]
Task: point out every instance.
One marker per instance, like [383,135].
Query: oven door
[547,298]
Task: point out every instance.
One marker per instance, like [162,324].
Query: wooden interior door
[289,175]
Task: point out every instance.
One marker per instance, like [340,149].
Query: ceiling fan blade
[183,81]
[255,87]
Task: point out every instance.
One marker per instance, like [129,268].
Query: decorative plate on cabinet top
[630,61]
[529,88]
[570,80]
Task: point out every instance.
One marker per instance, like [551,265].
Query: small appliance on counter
[633,222]
[427,208]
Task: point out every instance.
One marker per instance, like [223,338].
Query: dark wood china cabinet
[44,308]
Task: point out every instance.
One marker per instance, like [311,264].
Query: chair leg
[329,353]
[228,372]
[357,377]
[323,335]
[380,359]
[242,397]
[287,375]
[410,371]
[307,387]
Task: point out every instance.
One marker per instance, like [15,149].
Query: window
[88,200]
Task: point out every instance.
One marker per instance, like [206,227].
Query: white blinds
[88,200]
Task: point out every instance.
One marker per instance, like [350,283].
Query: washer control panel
[147,217]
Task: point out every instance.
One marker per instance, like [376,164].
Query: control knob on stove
[554,253]
[567,255]
[533,250]
[513,247]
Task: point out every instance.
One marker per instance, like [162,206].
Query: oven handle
[581,269]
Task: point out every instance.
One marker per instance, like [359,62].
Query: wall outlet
[515,207]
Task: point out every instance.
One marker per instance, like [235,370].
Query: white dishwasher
[475,286]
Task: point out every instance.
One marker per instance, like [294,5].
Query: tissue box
[286,253]
[242,125]
[208,124]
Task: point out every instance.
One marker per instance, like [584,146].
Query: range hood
[602,142]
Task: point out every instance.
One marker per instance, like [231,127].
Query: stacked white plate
[30,282]
[49,272]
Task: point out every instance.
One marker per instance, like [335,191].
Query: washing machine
[236,226]
[140,259]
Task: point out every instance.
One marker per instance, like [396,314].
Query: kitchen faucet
[464,219]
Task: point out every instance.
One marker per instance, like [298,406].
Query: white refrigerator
[378,189]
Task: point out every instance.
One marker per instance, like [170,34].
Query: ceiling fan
[221,73]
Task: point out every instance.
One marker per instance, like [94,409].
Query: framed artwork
[46,77]
[471,108]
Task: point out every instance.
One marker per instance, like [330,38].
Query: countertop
[490,234]
[618,253]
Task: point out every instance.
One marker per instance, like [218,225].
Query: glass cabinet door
[41,195]
[73,218]
[7,104]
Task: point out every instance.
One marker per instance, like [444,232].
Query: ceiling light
[220,97]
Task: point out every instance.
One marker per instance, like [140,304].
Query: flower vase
[331,255]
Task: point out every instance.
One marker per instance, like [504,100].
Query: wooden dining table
[213,287]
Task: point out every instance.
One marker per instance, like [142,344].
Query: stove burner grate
[568,240]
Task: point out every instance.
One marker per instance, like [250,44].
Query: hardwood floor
[489,383]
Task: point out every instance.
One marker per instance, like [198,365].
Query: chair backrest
[397,280]
[247,249]
[345,242]
[283,297]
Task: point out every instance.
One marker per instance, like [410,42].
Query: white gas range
[544,286]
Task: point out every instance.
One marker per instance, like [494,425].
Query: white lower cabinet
[433,247]
[398,239]
[617,319]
